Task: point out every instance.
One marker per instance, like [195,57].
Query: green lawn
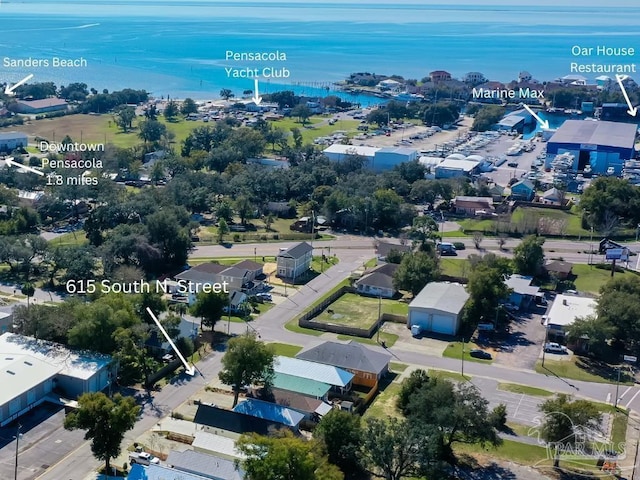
[590,279]
[455,267]
[525,390]
[517,452]
[398,367]
[71,238]
[454,350]
[576,369]
[384,404]
[446,374]
[371,263]
[318,266]
[361,312]
[285,349]
[316,127]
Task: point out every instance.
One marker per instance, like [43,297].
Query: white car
[553,347]
[143,458]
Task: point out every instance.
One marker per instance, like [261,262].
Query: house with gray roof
[367,364]
[295,261]
[378,282]
[207,466]
[437,308]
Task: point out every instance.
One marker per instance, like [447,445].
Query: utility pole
[544,346]
[379,313]
[615,404]
[591,247]
[462,357]
[229,316]
[15,472]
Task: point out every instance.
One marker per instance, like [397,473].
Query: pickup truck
[143,458]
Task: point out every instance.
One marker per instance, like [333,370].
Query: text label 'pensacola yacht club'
[244,59]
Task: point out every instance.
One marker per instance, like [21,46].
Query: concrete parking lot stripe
[625,392]
[518,407]
[632,399]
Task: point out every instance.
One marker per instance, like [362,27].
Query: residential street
[353,252]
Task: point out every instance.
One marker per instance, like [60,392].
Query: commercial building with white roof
[438,308]
[565,310]
[32,369]
[339,152]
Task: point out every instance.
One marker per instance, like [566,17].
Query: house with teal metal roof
[304,386]
[338,378]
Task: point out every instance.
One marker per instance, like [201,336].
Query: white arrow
[632,110]
[543,123]
[9,90]
[256,96]
[189,369]
[10,163]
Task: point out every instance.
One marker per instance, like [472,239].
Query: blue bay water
[178,48]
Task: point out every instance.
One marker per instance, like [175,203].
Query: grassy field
[360,312]
[446,374]
[527,219]
[371,263]
[522,453]
[590,278]
[525,390]
[384,405]
[317,126]
[398,367]
[97,129]
[454,350]
[318,265]
[576,369]
[285,349]
[455,267]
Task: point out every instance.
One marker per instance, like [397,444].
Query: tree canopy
[105,420]
[247,361]
[284,456]
[528,256]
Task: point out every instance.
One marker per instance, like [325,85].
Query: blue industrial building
[602,147]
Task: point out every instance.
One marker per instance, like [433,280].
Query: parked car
[265,296]
[478,353]
[552,347]
[511,307]
[143,458]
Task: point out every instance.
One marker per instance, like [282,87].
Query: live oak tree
[528,256]
[284,456]
[188,106]
[451,413]
[486,289]
[415,271]
[209,306]
[391,448]
[105,420]
[562,415]
[340,434]
[247,361]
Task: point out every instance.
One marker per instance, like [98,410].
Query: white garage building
[438,308]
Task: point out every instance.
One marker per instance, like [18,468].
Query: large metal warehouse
[599,147]
[438,308]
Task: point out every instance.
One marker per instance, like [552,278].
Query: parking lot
[522,345]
